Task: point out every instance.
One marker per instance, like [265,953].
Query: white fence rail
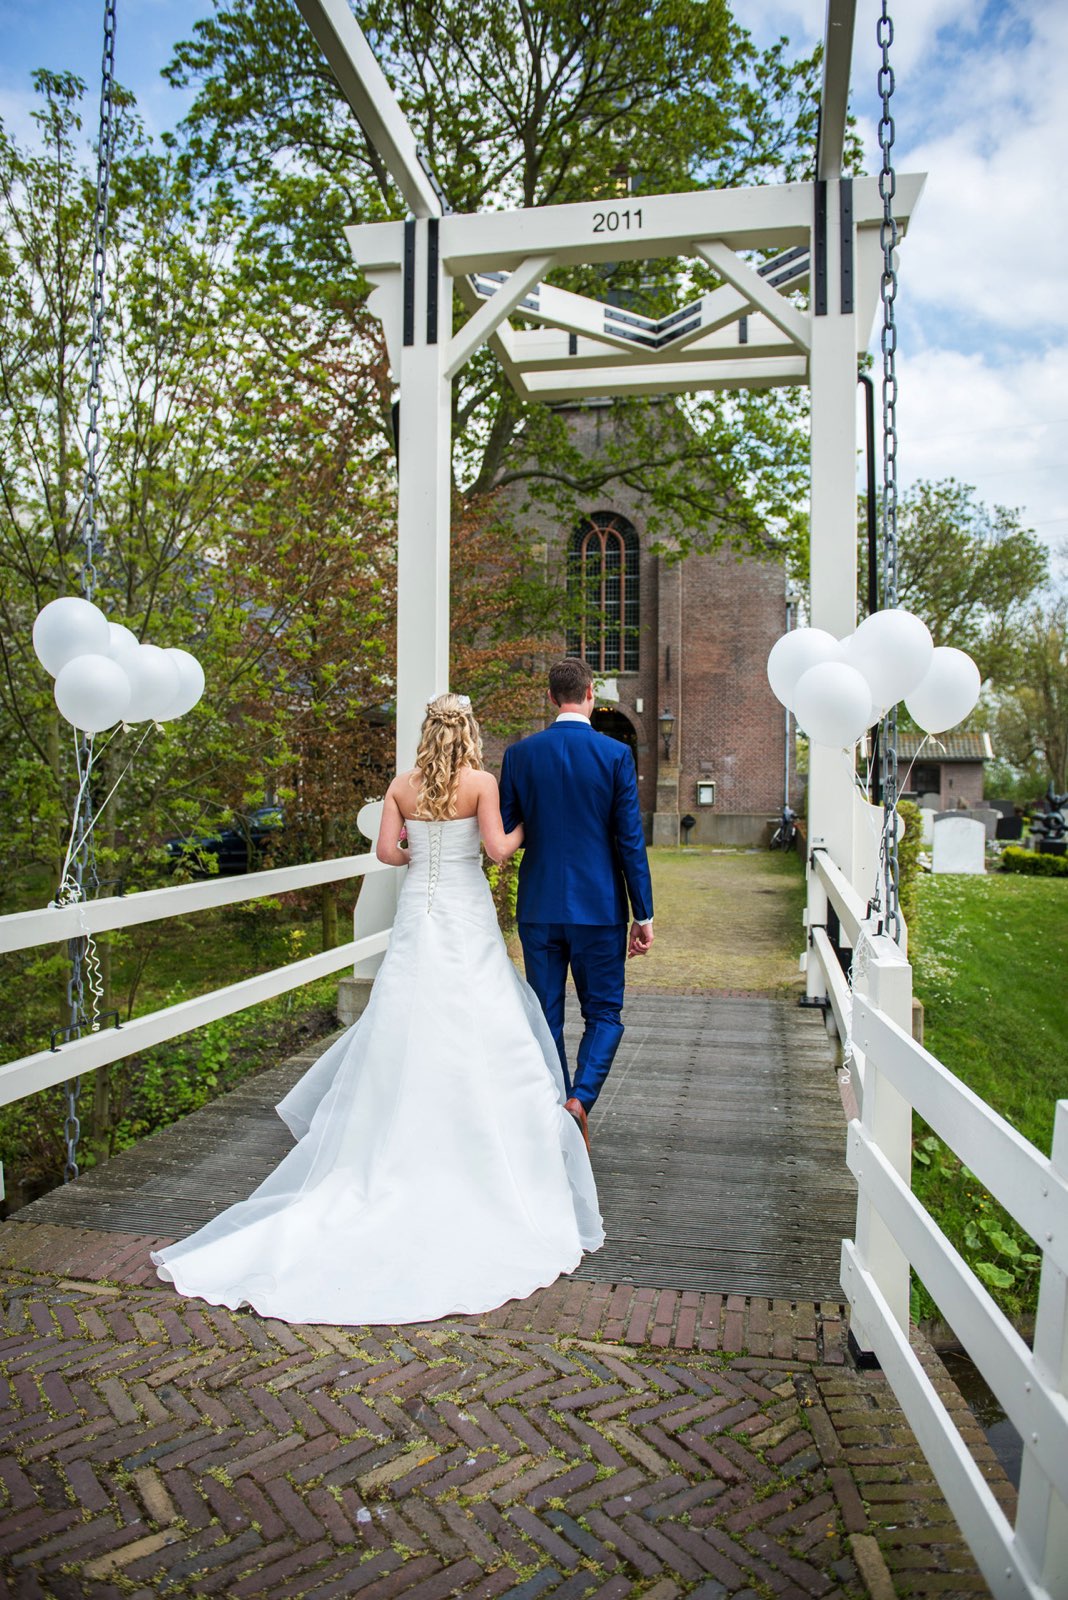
[892,1075]
[28,929]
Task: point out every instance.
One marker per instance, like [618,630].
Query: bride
[436,1171]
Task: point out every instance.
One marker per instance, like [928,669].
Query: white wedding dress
[436,1171]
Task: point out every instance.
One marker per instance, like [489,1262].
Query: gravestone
[927,820]
[989,818]
[959,844]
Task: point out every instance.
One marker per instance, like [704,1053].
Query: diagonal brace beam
[366,88]
[489,316]
[756,289]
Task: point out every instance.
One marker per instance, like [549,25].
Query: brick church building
[679,650]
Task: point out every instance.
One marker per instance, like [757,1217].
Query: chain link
[72,889]
[888,344]
[105,150]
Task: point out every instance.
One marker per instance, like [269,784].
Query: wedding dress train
[436,1171]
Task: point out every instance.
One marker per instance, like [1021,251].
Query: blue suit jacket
[576,793]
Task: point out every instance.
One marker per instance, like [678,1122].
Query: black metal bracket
[814,1002]
[845,219]
[432,178]
[432,281]
[77,1029]
[866,1360]
[819,250]
[409,281]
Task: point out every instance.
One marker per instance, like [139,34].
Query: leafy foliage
[968,570]
[987,955]
[1031,712]
[523,105]
[909,846]
[1033,863]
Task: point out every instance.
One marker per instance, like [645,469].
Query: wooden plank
[719,1149]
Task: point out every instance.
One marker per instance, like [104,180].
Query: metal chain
[105,150]
[888,341]
[72,890]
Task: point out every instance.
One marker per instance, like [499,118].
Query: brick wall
[706,628]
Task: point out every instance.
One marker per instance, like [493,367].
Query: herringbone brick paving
[594,1440]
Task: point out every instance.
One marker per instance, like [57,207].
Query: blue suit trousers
[597,956]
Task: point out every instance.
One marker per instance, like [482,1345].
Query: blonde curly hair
[450,740]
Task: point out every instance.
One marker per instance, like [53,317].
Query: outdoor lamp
[667,728]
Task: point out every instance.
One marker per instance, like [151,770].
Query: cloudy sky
[979,106]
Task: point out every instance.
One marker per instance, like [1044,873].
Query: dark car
[240,848]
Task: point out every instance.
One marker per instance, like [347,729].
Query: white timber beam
[590,321]
[489,316]
[549,349]
[757,290]
[366,88]
[659,378]
[752,218]
[834,97]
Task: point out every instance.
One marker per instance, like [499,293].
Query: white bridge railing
[29,929]
[894,1075]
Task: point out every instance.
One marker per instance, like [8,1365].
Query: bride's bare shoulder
[404,791]
[476,782]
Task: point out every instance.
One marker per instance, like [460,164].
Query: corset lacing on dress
[434,864]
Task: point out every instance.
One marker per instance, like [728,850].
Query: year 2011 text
[613,221]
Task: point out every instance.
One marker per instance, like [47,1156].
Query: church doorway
[617,726]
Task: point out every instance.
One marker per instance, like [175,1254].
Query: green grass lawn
[989,965]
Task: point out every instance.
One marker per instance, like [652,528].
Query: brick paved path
[590,1441]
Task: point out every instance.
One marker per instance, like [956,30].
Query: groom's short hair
[568,681]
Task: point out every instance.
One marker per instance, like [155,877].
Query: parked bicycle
[785,835]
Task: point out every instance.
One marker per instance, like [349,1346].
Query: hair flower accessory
[465,701]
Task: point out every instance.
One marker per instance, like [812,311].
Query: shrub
[1034,863]
[908,856]
[504,886]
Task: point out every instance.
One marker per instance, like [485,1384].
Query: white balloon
[66,628]
[793,654]
[190,684]
[123,641]
[892,650]
[92,692]
[832,704]
[154,682]
[949,690]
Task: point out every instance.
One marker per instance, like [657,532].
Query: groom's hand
[641,939]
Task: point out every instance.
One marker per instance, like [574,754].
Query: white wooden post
[833,534]
[1042,1516]
[423,516]
[887,1118]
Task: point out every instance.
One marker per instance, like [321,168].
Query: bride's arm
[498,845]
[388,848]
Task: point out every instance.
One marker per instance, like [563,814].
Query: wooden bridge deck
[718,1144]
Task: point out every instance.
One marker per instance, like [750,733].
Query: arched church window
[602,582]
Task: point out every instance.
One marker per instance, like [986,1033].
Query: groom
[576,794]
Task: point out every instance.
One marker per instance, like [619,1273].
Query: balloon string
[919,751]
[83,784]
[100,808]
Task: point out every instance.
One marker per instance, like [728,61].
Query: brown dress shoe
[578,1111]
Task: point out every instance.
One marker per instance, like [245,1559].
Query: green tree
[1031,715]
[527,105]
[969,570]
[199,498]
